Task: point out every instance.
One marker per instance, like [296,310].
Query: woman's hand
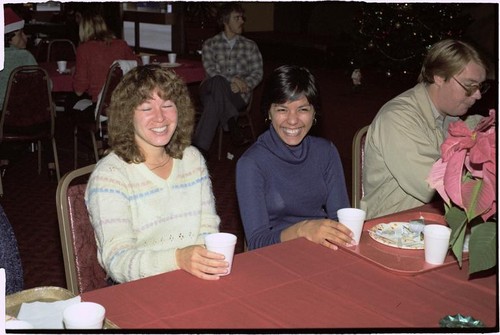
[201,263]
[326,232]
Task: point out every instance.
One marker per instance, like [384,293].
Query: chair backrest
[83,271]
[61,49]
[115,75]
[28,110]
[358,156]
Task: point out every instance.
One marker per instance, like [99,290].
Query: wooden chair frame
[65,226]
[358,149]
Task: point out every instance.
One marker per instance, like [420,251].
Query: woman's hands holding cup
[201,262]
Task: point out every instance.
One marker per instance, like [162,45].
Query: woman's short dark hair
[290,83]
[225,11]
[137,86]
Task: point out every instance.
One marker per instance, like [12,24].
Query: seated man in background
[233,65]
[15,49]
[404,139]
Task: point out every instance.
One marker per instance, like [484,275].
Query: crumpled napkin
[45,315]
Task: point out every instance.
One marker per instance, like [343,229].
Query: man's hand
[239,86]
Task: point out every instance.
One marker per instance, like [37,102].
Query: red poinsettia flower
[466,172]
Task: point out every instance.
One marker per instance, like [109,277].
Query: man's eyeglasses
[471,89]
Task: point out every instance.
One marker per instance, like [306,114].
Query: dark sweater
[278,186]
[9,256]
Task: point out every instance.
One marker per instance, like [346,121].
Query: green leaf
[482,247]
[457,220]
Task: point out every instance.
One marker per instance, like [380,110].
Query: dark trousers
[219,105]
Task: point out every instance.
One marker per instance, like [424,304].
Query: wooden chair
[61,49]
[97,127]
[82,269]
[28,113]
[244,114]
[358,155]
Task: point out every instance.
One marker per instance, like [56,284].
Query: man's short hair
[225,11]
[448,57]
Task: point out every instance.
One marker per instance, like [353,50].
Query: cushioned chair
[83,271]
[358,153]
[244,120]
[28,113]
[97,126]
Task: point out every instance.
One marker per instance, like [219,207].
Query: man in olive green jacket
[404,139]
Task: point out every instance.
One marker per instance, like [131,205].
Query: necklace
[160,164]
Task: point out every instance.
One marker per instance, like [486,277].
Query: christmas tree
[394,37]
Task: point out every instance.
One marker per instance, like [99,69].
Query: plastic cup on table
[84,315]
[222,243]
[354,219]
[61,66]
[436,243]
[172,58]
[145,59]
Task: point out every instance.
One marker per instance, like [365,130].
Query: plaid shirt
[243,60]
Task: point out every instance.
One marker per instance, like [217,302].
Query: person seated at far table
[233,64]
[405,137]
[291,184]
[97,51]
[15,53]
[150,198]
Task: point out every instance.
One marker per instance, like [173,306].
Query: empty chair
[358,155]
[245,113]
[28,113]
[97,127]
[82,269]
[61,49]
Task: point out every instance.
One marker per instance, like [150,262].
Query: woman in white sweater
[150,198]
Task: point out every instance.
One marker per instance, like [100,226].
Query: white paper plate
[397,235]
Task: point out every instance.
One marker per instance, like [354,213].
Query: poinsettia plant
[465,177]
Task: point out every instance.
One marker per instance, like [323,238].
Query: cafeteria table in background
[191,71]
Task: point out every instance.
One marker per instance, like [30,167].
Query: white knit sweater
[141,219]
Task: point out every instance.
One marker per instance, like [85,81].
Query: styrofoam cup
[222,243]
[354,219]
[145,59]
[61,65]
[84,315]
[172,57]
[436,243]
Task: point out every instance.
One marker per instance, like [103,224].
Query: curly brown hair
[135,88]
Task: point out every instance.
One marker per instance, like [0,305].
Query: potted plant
[465,177]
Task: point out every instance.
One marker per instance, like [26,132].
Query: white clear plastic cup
[84,315]
[61,65]
[436,243]
[172,57]
[145,59]
[354,219]
[222,243]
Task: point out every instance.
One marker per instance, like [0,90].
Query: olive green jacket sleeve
[402,144]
